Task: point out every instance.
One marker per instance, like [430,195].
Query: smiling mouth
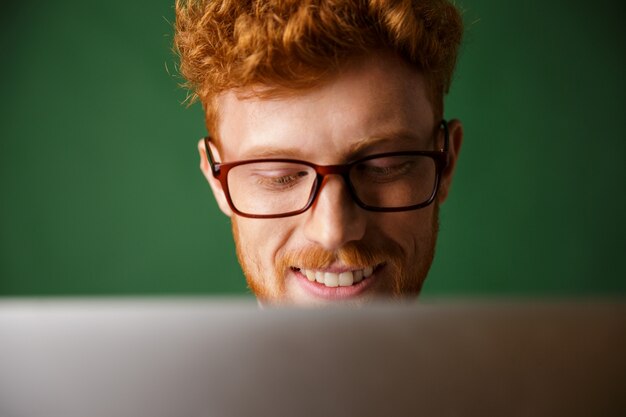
[336,279]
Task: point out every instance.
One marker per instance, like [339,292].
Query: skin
[375,104]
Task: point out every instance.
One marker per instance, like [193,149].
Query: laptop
[191,357]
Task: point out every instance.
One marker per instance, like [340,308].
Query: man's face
[375,105]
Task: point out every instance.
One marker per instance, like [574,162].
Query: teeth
[309,274]
[331,279]
[345,279]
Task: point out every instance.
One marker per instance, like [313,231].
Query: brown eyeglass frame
[220,172]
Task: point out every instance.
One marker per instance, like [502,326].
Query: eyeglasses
[386,182]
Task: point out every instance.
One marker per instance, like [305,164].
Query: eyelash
[284,181]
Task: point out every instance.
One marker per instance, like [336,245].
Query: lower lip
[335,293]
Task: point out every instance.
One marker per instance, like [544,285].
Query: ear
[455,129]
[216,186]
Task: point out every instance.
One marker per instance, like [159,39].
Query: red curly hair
[291,45]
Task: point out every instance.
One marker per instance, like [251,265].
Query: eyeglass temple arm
[214,167]
[446,136]
[446,143]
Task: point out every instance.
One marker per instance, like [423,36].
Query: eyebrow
[260,152]
[366,144]
[358,149]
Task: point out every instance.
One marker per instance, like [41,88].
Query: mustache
[352,255]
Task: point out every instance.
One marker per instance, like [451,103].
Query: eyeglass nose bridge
[322,172]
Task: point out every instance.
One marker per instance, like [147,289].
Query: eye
[279,179]
[385,169]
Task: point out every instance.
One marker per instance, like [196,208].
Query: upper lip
[338,269]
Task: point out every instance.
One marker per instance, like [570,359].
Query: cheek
[261,239]
[409,229]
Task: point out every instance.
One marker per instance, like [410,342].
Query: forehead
[377,98]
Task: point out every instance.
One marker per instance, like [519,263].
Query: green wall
[100,191]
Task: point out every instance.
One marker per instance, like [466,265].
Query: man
[327,145]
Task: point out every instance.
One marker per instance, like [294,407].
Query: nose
[334,219]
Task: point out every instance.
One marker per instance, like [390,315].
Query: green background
[100,191]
